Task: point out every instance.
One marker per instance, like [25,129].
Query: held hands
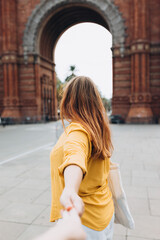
[70,199]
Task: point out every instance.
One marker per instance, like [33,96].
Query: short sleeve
[76,150]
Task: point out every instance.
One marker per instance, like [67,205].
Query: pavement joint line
[26,153]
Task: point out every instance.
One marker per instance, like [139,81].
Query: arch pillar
[140,98]
[11,105]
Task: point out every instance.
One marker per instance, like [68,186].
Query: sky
[88,47]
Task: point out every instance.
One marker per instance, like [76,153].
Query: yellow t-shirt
[74,147]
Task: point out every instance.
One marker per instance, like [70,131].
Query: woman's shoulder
[76,126]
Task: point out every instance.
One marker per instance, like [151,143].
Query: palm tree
[72,70]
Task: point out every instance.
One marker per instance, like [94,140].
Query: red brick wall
[24,10]
[141,24]
[154,19]
[127,16]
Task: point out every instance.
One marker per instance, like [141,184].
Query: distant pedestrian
[80,161]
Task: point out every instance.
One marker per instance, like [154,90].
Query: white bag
[122,212]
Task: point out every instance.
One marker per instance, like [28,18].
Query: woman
[80,160]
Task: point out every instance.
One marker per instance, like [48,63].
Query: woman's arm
[72,177]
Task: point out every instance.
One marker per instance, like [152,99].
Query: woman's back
[74,147]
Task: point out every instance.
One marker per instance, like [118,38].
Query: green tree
[107,104]
[60,86]
[72,70]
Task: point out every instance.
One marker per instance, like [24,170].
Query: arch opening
[102,12]
[87,46]
[63,20]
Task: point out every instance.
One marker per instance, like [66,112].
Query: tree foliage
[60,85]
[72,71]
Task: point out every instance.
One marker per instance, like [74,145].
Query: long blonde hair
[81,102]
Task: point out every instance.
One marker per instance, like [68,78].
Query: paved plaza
[25,191]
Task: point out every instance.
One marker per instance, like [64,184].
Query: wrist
[59,234]
[70,189]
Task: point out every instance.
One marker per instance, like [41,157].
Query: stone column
[38,86]
[9,59]
[140,98]
[54,100]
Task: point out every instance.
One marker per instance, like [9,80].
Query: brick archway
[106,12]
[50,19]
[29,33]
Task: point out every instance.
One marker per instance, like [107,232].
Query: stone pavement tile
[21,212]
[147,227]
[119,237]
[3,190]
[4,203]
[151,167]
[155,207]
[22,195]
[43,157]
[11,231]
[36,173]
[13,171]
[116,157]
[127,181]
[145,182]
[136,192]
[10,182]
[28,161]
[145,174]
[126,173]
[137,238]
[152,159]
[44,198]
[32,232]
[33,183]
[120,230]
[139,206]
[44,218]
[154,192]
[131,161]
[131,165]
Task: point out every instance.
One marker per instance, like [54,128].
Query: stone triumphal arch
[29,31]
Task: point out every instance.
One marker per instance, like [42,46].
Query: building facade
[29,31]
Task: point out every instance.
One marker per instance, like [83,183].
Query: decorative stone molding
[140,98]
[156,98]
[45,79]
[155,49]
[107,8]
[11,102]
[140,47]
[28,102]
[121,99]
[119,52]
[9,58]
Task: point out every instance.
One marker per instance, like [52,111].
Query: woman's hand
[70,199]
[72,177]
